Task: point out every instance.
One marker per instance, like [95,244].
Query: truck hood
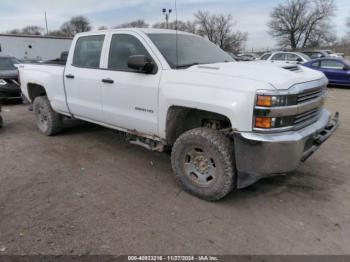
[279,77]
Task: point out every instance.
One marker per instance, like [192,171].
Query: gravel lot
[87,191]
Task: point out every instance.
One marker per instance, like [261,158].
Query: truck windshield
[191,50]
[7,63]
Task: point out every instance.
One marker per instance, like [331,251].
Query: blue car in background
[337,70]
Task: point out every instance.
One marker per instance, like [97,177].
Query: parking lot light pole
[167,16]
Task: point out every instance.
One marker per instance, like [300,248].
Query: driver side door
[130,97]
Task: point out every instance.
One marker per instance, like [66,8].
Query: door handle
[70,76]
[107,81]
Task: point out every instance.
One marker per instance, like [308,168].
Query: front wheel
[203,162]
[48,121]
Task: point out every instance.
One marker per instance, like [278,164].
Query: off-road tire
[48,121]
[219,148]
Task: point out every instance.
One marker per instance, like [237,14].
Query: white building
[29,47]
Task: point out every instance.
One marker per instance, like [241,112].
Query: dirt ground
[87,191]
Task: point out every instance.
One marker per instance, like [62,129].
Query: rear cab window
[88,50]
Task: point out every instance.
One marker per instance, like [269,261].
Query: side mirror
[299,60]
[346,68]
[141,63]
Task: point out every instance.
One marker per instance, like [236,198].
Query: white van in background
[32,47]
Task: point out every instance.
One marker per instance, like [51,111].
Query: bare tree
[207,24]
[102,28]
[14,32]
[218,28]
[33,30]
[162,25]
[67,29]
[134,24]
[58,33]
[300,23]
[322,35]
[77,24]
[235,42]
[28,30]
[188,26]
[348,25]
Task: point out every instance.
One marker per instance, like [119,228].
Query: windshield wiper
[186,65]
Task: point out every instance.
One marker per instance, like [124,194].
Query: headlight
[273,122]
[275,100]
[284,110]
[2,82]
[266,103]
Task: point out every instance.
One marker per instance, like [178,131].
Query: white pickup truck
[228,124]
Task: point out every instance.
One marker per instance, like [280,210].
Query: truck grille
[306,117]
[309,94]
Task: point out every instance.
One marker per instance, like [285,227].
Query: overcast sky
[251,15]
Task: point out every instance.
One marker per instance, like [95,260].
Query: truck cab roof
[139,30]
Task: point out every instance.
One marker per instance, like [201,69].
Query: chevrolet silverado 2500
[228,124]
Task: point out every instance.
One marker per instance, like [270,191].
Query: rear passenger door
[83,78]
[130,98]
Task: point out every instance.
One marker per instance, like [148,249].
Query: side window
[279,57]
[292,57]
[316,64]
[331,64]
[265,57]
[315,55]
[87,51]
[122,47]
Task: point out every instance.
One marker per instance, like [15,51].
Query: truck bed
[48,75]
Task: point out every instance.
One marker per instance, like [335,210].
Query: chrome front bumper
[262,155]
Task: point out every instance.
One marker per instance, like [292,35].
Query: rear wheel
[203,162]
[48,121]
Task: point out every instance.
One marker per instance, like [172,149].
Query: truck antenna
[176,28]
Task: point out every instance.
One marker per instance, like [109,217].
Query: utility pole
[47,28]
[167,16]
